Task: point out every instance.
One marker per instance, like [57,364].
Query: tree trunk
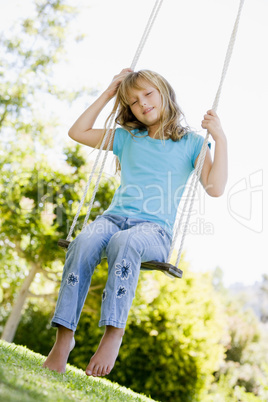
[15,315]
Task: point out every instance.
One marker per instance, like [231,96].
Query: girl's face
[145,103]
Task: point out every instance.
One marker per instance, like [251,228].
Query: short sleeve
[197,142]
[120,137]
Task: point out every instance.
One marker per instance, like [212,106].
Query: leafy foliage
[27,58]
[242,375]
[39,190]
[37,205]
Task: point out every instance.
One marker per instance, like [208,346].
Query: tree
[26,67]
[242,374]
[37,200]
[263,302]
[37,205]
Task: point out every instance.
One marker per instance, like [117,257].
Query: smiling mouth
[148,110]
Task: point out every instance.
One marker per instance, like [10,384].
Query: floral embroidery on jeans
[161,231]
[72,279]
[104,294]
[121,291]
[123,270]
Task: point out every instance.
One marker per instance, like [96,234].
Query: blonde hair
[170,126]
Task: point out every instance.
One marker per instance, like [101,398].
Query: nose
[142,102]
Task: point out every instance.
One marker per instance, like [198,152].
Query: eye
[149,93]
[133,103]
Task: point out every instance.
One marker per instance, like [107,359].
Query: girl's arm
[82,130]
[214,174]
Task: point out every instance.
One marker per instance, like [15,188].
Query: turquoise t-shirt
[153,175]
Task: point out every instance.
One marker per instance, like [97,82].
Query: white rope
[146,32]
[111,122]
[197,173]
[89,181]
[100,174]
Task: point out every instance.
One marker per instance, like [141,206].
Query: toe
[104,370]
[95,370]
[89,369]
[108,370]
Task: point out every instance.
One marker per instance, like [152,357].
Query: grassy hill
[22,379]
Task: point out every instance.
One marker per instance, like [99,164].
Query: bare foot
[58,356]
[103,360]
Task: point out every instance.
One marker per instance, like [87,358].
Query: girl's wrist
[107,95]
[221,138]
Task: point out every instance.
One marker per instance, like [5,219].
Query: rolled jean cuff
[58,321]
[113,323]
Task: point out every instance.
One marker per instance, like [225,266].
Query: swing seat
[164,267]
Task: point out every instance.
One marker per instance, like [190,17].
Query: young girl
[156,156]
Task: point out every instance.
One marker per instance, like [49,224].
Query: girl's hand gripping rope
[212,123]
[113,87]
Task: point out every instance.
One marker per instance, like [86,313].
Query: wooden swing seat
[164,267]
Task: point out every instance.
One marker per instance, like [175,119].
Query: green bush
[34,330]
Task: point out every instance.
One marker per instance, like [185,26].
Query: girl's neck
[152,130]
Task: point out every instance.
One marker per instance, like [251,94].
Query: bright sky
[187,46]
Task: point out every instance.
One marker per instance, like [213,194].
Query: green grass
[22,379]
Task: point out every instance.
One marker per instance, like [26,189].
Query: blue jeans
[125,242]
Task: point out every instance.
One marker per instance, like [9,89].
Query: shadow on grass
[11,392]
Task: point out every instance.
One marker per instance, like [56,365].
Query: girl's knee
[81,240]
[120,240]
[89,239]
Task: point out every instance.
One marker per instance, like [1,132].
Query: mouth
[148,110]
